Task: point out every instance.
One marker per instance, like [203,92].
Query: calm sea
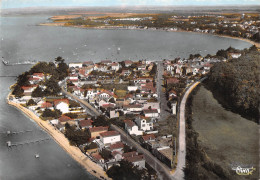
[22,39]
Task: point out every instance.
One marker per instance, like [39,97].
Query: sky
[5,4]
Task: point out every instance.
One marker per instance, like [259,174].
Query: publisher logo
[243,171]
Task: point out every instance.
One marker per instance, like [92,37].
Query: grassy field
[226,137]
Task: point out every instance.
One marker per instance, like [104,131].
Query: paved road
[162,169]
[179,174]
[161,95]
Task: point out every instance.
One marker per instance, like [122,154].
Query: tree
[112,100]
[101,121]
[76,136]
[105,154]
[31,102]
[53,114]
[17,91]
[37,92]
[127,170]
[59,59]
[52,87]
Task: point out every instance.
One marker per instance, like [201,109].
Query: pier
[10,144]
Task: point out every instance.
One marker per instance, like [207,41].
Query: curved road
[179,173]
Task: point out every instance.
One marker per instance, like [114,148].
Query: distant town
[117,112]
[240,25]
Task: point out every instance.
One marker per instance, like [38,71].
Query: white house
[132,88]
[132,128]
[152,105]
[174,107]
[62,105]
[135,158]
[144,124]
[115,66]
[151,113]
[133,107]
[110,137]
[75,65]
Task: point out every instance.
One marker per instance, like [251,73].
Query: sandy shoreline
[73,151]
[111,28]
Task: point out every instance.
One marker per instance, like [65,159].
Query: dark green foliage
[17,91]
[92,145]
[76,136]
[73,104]
[105,154]
[237,83]
[49,113]
[71,115]
[31,102]
[126,171]
[53,87]
[22,80]
[38,92]
[154,69]
[101,121]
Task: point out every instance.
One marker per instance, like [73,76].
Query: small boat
[37,155]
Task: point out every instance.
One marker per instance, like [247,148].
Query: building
[110,137]
[132,128]
[144,123]
[151,113]
[83,124]
[147,138]
[174,108]
[95,131]
[62,105]
[135,158]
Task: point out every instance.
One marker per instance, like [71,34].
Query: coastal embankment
[73,151]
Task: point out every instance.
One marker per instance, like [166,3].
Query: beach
[73,151]
[115,28]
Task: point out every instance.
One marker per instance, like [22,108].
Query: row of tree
[236,84]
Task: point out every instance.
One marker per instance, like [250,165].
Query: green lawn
[226,137]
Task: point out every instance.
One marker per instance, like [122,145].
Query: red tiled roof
[98,129]
[129,123]
[118,145]
[64,118]
[172,81]
[85,123]
[107,92]
[114,64]
[97,156]
[148,111]
[57,101]
[133,106]
[46,105]
[148,137]
[38,74]
[109,133]
[135,158]
[108,105]
[128,62]
[130,154]
[27,87]
[33,79]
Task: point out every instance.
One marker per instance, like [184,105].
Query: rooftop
[109,133]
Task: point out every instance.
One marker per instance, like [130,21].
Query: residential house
[95,131]
[115,66]
[147,138]
[172,80]
[128,63]
[144,123]
[62,105]
[110,137]
[75,65]
[151,113]
[135,158]
[132,128]
[85,124]
[116,147]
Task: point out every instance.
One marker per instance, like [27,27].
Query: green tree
[31,102]
[37,92]
[105,154]
[18,91]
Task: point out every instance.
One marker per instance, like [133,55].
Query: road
[162,170]
[165,111]
[179,173]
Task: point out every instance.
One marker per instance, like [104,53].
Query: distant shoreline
[60,139]
[123,28]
